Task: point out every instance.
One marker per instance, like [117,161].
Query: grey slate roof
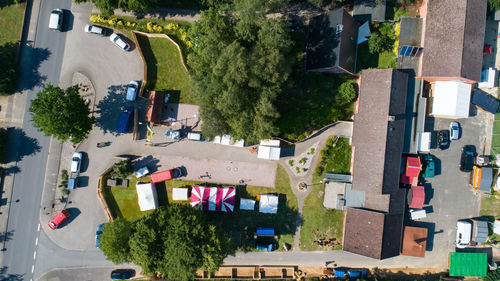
[454,38]
[378,142]
[372,10]
[326,47]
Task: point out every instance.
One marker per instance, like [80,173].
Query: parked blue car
[97,234]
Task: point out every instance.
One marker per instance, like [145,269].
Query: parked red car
[55,222]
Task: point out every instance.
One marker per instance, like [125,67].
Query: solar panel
[410,51]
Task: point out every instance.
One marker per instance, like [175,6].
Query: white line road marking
[38,227]
[36,242]
[34,255]
[32,268]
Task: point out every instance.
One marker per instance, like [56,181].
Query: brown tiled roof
[414,241]
[454,38]
[155,107]
[378,142]
[372,234]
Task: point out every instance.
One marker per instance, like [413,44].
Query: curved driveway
[107,66]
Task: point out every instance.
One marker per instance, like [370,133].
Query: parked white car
[115,38]
[94,29]
[76,162]
[132,89]
[56,19]
[454,130]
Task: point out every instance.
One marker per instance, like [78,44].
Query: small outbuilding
[468,264]
[268,203]
[412,170]
[416,197]
[486,102]
[146,193]
[414,241]
[269,149]
[450,99]
[369,10]
[482,178]
[155,107]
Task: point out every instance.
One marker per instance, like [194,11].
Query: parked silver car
[94,29]
[115,38]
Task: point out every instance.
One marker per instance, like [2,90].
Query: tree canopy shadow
[20,145]
[110,108]
[5,276]
[31,59]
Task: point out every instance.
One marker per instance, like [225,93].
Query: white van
[464,234]
[56,19]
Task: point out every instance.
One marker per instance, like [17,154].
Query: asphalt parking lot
[448,195]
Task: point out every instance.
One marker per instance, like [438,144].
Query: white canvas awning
[247,204]
[179,194]
[268,204]
[424,142]
[269,152]
[146,193]
[451,99]
[270,142]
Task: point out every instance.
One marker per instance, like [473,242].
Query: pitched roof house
[379,127]
[453,40]
[331,45]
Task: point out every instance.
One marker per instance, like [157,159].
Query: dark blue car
[125,119]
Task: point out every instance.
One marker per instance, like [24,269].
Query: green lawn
[11,21]
[317,220]
[123,202]
[165,70]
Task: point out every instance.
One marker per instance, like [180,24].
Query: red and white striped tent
[213,198]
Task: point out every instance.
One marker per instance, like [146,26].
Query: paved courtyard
[214,170]
[448,195]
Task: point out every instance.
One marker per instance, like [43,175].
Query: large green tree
[9,71]
[173,241]
[114,240]
[61,113]
[238,68]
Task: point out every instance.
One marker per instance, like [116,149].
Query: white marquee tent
[179,194]
[451,99]
[247,204]
[147,196]
[268,203]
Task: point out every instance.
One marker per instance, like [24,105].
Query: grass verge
[165,70]
[490,208]
[317,221]
[238,225]
[11,20]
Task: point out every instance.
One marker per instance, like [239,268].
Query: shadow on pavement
[148,161]
[110,108]
[73,213]
[68,21]
[83,181]
[25,146]
[29,77]
[4,275]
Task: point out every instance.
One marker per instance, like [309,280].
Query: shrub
[312,151]
[346,93]
[290,162]
[383,39]
[122,169]
[64,175]
[64,192]
[297,169]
